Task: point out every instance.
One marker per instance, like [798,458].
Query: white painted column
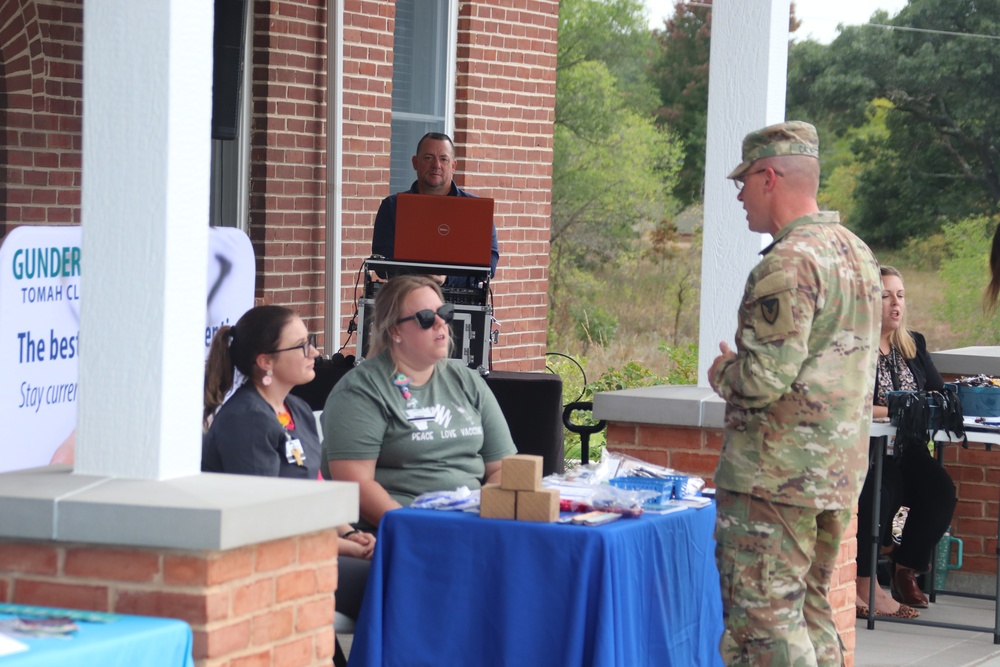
[746,91]
[334,177]
[146,126]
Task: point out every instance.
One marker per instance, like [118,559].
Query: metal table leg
[880,444]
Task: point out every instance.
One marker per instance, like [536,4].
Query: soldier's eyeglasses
[740,182]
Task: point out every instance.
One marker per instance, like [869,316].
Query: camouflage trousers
[775,563]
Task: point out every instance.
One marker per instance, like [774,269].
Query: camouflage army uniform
[794,453]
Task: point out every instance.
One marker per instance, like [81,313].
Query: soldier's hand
[726,355]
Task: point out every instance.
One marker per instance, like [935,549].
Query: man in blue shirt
[434,163]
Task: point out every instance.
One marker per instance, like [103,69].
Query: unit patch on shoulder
[769,309]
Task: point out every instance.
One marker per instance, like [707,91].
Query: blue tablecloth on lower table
[448,588]
[126,641]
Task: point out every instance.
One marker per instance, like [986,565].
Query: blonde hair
[901,338]
[389,308]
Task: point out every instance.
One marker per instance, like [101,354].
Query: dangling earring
[266,380]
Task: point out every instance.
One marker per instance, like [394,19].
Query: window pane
[418,81]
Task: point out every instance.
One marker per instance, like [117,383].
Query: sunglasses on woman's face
[425,318]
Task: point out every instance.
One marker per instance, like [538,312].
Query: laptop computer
[443,230]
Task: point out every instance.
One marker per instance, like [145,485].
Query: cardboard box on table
[541,505]
[521,472]
[497,503]
[520,494]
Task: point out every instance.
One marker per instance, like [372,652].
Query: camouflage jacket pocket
[771,310]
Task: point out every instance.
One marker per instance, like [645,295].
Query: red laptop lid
[443,230]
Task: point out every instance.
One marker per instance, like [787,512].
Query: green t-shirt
[452,429]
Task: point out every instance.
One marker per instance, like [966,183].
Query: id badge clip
[294,452]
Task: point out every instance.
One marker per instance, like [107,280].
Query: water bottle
[942,559]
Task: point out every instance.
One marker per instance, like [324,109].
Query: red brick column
[976,474]
[696,451]
[264,604]
[288,155]
[504,124]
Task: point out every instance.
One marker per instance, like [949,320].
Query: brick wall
[41,56]
[696,451]
[367,109]
[976,474]
[266,604]
[288,154]
[504,119]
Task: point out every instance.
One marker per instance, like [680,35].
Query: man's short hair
[435,136]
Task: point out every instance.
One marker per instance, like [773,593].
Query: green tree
[613,32]
[680,72]
[844,160]
[613,169]
[941,158]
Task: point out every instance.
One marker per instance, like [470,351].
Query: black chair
[328,373]
[532,404]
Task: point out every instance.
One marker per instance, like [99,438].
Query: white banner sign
[40,331]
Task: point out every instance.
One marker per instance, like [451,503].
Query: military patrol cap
[793,137]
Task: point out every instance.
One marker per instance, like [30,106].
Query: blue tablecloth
[126,641]
[449,588]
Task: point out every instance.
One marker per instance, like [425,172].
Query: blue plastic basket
[669,487]
[979,401]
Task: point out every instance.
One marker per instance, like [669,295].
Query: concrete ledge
[673,405]
[968,360]
[201,512]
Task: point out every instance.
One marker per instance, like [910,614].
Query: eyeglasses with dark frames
[741,181]
[425,318]
[305,347]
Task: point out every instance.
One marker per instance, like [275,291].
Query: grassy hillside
[644,308]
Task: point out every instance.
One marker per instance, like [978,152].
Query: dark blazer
[246,438]
[924,372]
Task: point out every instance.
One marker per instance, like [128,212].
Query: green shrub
[965,274]
[630,375]
[685,363]
[929,252]
[595,325]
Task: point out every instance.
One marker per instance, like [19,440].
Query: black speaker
[227,66]
[328,373]
[532,404]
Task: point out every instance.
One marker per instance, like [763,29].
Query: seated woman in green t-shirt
[409,420]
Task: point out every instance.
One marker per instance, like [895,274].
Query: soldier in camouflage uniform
[798,392]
